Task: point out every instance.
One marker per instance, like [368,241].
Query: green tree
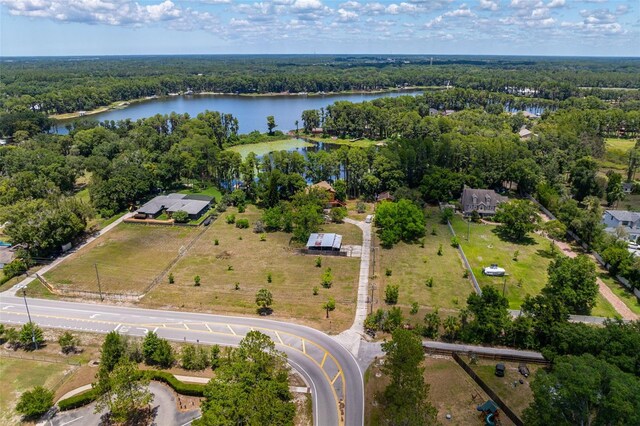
[329,305]
[338,214]
[35,403]
[431,325]
[264,299]
[406,398]
[517,218]
[12,337]
[391,293]
[252,388]
[573,282]
[164,355]
[271,124]
[113,349]
[583,391]
[124,393]
[150,345]
[555,230]
[31,336]
[327,278]
[68,342]
[490,316]
[401,221]
[180,216]
[583,179]
[614,191]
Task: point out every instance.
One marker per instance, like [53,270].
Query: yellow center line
[324,358]
[336,377]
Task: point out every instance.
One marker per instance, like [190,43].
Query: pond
[251,111]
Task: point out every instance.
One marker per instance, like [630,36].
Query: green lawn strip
[351,234]
[411,266]
[619,144]
[210,191]
[19,375]
[622,292]
[603,308]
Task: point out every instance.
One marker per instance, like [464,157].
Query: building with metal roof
[194,205]
[323,242]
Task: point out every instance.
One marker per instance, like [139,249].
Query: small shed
[324,242]
[385,196]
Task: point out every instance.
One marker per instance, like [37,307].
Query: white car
[368,219]
[494,271]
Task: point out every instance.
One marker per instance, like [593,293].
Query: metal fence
[504,407]
[467,265]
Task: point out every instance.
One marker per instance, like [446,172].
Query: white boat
[493,271]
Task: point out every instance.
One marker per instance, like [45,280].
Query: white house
[624,220]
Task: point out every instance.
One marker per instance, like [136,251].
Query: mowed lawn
[525,276]
[128,258]
[411,266]
[19,375]
[241,257]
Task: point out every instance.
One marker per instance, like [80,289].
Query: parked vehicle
[368,219]
[500,369]
[493,270]
[523,369]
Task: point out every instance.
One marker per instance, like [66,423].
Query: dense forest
[61,85]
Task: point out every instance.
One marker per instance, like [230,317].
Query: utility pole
[99,287]
[373,287]
[33,333]
[504,286]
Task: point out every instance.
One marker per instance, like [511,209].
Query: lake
[251,111]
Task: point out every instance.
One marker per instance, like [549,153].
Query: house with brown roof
[385,196]
[483,201]
[331,193]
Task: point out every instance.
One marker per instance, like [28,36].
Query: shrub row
[84,398]
[189,389]
[78,400]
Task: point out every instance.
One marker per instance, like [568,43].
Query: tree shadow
[263,312]
[547,254]
[504,236]
[143,416]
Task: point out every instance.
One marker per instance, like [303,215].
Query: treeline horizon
[61,85]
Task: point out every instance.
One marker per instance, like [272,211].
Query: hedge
[87,397]
[78,400]
[189,389]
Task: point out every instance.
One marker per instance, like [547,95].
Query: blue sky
[508,27]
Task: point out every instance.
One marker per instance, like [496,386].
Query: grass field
[353,212]
[527,275]
[210,191]
[128,258]
[619,144]
[631,202]
[264,148]
[517,398]
[411,266]
[451,391]
[19,375]
[248,261]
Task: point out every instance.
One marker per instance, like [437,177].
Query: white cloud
[488,5]
[556,3]
[347,15]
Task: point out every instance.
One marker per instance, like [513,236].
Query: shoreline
[124,104]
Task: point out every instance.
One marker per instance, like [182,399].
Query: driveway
[164,405]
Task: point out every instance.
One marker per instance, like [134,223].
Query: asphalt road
[331,371]
[163,405]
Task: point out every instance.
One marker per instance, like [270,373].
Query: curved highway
[331,371]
